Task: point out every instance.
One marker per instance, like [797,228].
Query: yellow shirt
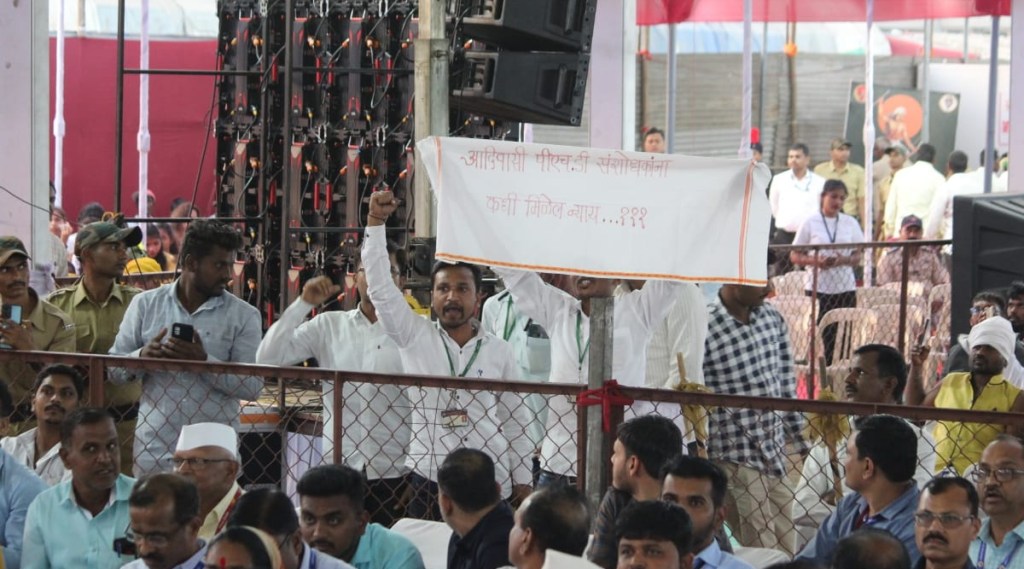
[853,176]
[961,444]
[212,522]
[96,326]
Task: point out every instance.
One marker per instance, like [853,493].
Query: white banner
[599,212]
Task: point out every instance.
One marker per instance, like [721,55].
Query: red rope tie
[607,396]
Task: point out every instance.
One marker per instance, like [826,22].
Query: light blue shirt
[381,548]
[18,487]
[230,331]
[59,534]
[994,556]
[713,557]
[194,562]
[313,559]
[897,518]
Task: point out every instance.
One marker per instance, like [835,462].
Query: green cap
[10,246]
[105,232]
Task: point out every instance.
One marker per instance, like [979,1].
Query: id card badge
[454,418]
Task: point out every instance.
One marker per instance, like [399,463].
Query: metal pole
[599,443]
[760,86]
[58,114]
[286,156]
[119,105]
[929,28]
[748,75]
[143,142]
[990,127]
[869,139]
[967,41]
[430,102]
[670,104]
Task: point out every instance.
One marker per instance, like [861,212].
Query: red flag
[651,12]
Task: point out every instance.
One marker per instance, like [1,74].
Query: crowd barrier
[282,431]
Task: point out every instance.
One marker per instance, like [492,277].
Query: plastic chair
[796,311]
[870,297]
[854,328]
[888,333]
[915,289]
[430,538]
[791,283]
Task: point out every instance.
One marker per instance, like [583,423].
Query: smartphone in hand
[184,332]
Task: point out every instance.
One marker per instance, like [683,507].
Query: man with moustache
[352,340]
[164,510]
[443,420]
[1000,482]
[57,392]
[567,320]
[946,522]
[877,375]
[880,463]
[924,265]
[699,487]
[226,329]
[1015,308]
[42,327]
[75,523]
[207,454]
[97,304]
[959,445]
[333,519]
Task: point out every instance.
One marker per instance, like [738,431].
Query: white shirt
[793,200]
[313,559]
[940,214]
[375,417]
[496,421]
[911,193]
[23,448]
[819,230]
[532,349]
[635,316]
[713,557]
[816,480]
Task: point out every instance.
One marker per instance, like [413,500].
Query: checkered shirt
[751,359]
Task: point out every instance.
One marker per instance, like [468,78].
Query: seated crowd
[496,467]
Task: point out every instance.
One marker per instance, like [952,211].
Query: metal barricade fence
[831,310]
[777,497]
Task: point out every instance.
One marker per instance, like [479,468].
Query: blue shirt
[996,555]
[897,518]
[313,559]
[381,548]
[230,331]
[58,533]
[712,557]
[18,487]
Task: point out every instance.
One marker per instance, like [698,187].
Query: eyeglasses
[197,463]
[948,521]
[156,539]
[1000,474]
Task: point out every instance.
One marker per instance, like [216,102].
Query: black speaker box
[537,25]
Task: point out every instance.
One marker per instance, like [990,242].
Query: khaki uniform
[52,331]
[853,176]
[96,326]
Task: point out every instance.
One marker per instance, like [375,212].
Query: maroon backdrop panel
[178,115]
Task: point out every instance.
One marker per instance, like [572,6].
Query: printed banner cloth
[599,212]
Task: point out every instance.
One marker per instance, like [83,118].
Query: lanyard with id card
[453,417]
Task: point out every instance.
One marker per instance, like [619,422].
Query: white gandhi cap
[208,435]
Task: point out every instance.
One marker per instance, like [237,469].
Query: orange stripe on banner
[437,143]
[608,274]
[744,220]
